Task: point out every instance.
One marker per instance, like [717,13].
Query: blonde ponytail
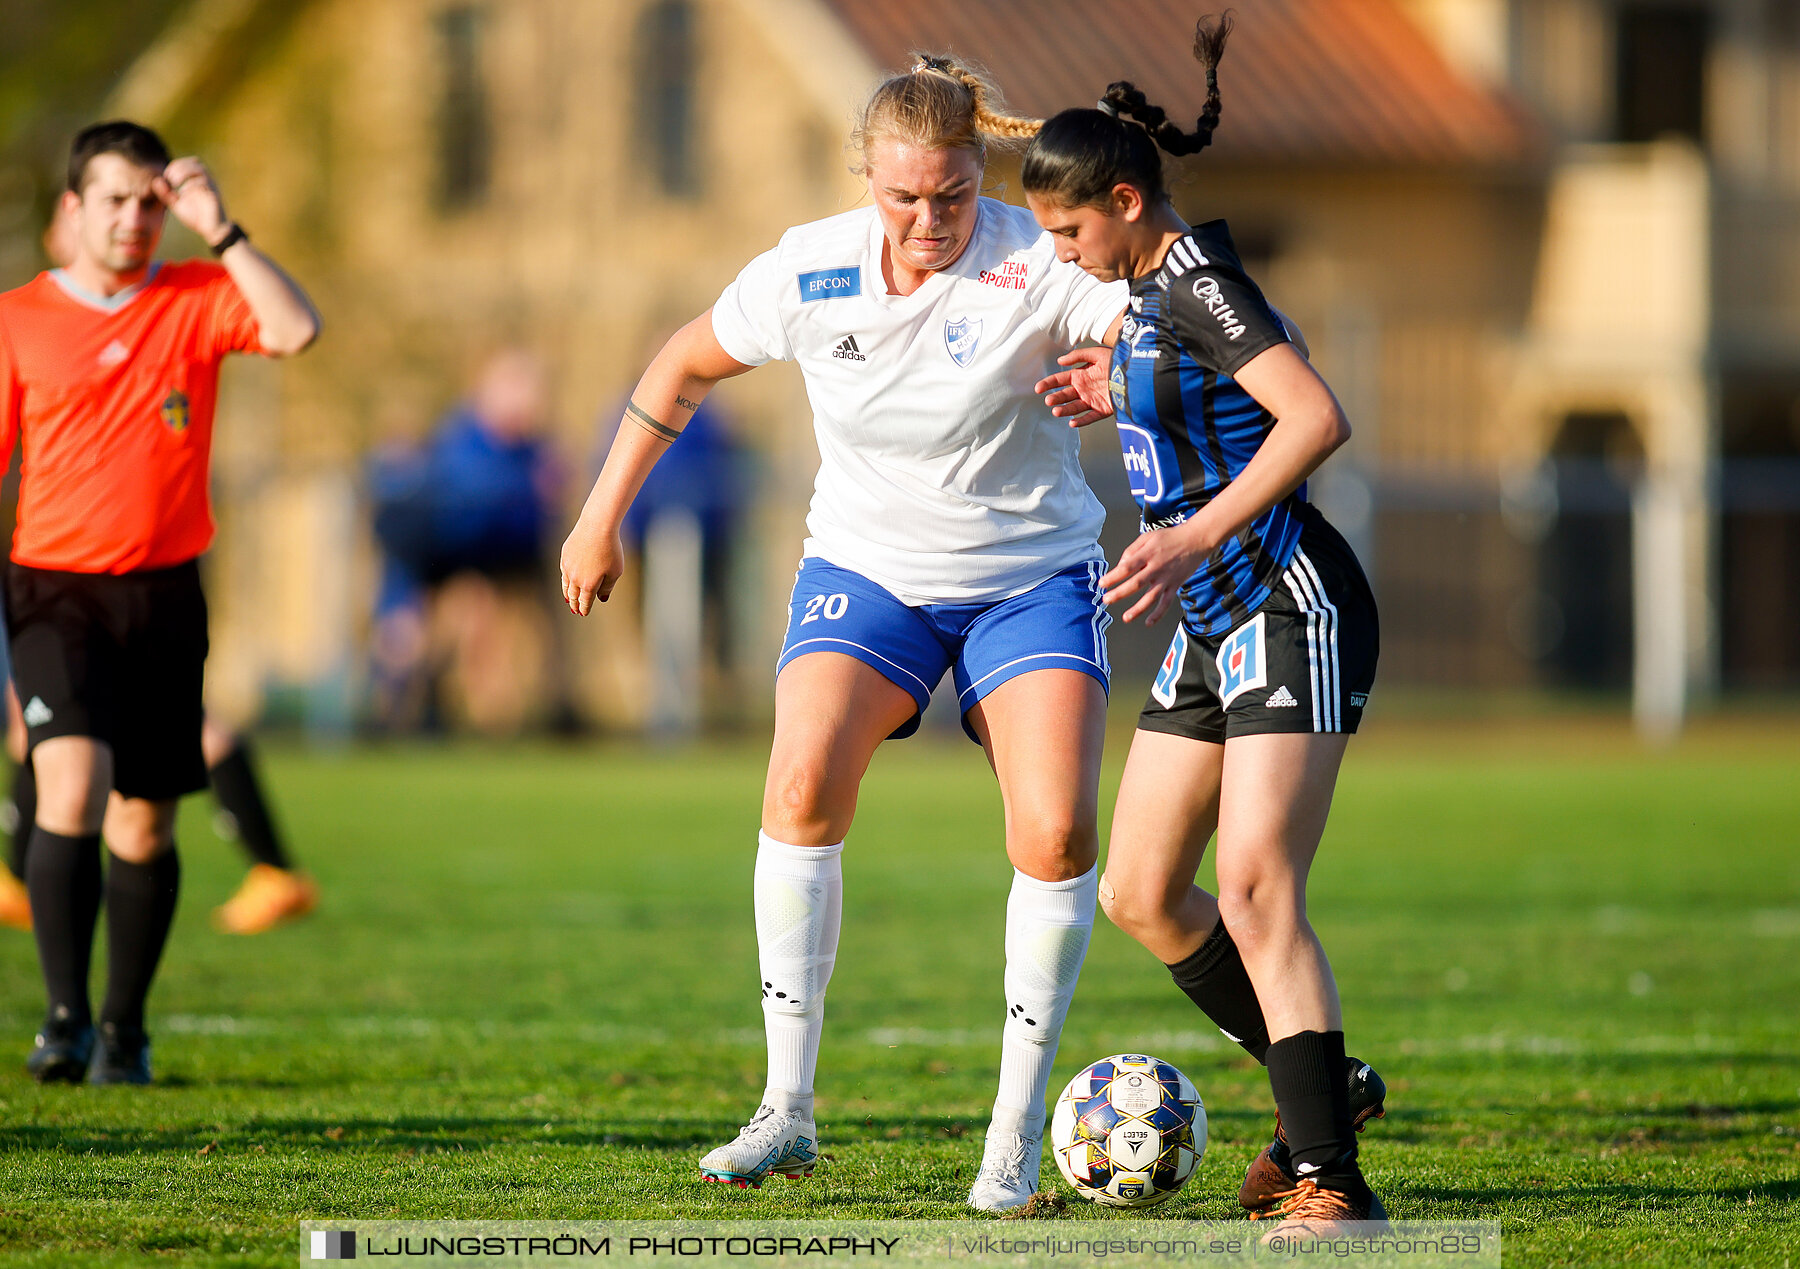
[939,104]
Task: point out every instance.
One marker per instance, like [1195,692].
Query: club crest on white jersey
[960,337]
[942,476]
[1242,664]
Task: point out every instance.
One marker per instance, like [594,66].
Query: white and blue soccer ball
[1128,1131]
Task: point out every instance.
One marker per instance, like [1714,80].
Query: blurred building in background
[1547,252]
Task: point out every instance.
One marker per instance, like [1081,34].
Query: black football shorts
[1303,662]
[120,658]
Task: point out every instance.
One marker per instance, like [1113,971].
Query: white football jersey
[942,476]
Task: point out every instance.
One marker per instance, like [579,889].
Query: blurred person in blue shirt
[702,476]
[458,518]
[706,477]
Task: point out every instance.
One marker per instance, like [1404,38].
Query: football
[1128,1131]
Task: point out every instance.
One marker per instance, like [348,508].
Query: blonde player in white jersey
[950,529]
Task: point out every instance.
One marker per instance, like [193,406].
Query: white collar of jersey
[105,303]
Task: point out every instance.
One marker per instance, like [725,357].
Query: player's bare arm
[1309,426]
[677,381]
[286,320]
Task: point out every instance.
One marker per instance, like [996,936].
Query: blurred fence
[1526,583]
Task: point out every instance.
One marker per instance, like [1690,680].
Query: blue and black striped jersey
[1187,428]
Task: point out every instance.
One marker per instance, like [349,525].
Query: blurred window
[1256,248]
[1584,563]
[665,101]
[464,137]
[1661,80]
[1759,530]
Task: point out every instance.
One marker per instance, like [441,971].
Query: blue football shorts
[1059,623]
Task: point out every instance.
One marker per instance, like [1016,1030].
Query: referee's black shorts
[1303,662]
[117,657]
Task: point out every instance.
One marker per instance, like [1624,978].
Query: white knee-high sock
[1047,929]
[799,903]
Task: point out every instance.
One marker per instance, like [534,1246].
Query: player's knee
[1057,844]
[802,807]
[1254,907]
[72,807]
[1136,911]
[137,831]
[137,845]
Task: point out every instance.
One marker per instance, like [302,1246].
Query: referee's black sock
[1306,1072]
[24,802]
[1215,979]
[140,907]
[63,879]
[240,796]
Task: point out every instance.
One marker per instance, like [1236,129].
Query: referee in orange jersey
[109,372]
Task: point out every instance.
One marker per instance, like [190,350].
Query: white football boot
[1009,1163]
[778,1141]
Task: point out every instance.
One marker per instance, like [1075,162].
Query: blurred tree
[59,59]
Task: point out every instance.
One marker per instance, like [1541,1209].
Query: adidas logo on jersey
[37,713]
[848,351]
[1281,698]
[113,354]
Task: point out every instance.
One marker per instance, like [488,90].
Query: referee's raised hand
[286,320]
[188,190]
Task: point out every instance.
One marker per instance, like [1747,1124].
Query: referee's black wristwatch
[231,239]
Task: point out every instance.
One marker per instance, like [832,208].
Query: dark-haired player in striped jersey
[1221,419]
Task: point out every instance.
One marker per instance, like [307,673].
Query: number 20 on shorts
[831,607]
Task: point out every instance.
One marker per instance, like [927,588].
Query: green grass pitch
[530,993]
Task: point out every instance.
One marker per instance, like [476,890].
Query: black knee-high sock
[1215,979]
[1306,1072]
[24,800]
[63,878]
[240,796]
[140,907]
